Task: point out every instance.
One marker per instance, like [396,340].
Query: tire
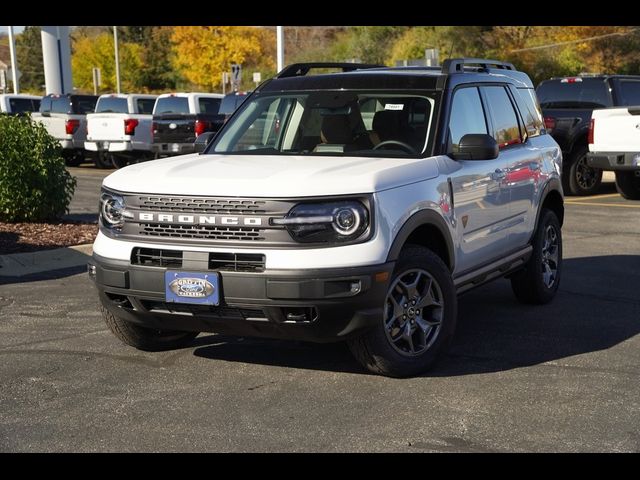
[538,282]
[117,161]
[102,161]
[385,348]
[628,185]
[73,159]
[579,178]
[146,339]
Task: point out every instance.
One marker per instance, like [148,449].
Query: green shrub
[34,184]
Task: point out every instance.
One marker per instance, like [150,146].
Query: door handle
[498,175]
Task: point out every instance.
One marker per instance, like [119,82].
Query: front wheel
[148,339]
[538,282]
[418,321]
[628,184]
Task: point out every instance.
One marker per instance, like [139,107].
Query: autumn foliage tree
[202,54]
[98,51]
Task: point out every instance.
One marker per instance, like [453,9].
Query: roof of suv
[453,72]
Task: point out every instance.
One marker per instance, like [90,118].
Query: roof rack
[301,69]
[456,65]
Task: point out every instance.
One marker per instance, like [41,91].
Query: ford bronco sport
[340,206]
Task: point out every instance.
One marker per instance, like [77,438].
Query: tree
[29,57]
[99,52]
[202,54]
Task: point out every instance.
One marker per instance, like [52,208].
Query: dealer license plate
[192,287]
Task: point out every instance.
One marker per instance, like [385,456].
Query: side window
[467,116]
[145,105]
[45,104]
[209,105]
[529,109]
[505,122]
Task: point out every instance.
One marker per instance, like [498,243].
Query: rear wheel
[578,177]
[73,159]
[118,161]
[628,184]
[142,338]
[418,320]
[538,282]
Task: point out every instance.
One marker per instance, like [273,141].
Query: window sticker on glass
[393,106]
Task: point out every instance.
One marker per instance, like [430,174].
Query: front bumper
[314,305]
[614,160]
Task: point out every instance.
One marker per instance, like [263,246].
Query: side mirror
[203,140]
[477,146]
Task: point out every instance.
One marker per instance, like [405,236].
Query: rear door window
[506,129]
[22,105]
[83,104]
[629,91]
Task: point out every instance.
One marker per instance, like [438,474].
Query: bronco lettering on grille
[200,219]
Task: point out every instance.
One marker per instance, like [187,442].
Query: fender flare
[418,219]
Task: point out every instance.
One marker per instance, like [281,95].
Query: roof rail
[456,65]
[301,69]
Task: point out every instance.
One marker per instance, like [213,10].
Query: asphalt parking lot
[561,377]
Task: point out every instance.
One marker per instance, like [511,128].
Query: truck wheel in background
[117,161]
[628,184]
[101,160]
[72,158]
[148,339]
[578,178]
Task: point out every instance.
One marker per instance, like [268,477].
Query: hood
[269,175]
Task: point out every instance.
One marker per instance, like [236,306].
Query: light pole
[115,40]
[280,47]
[14,64]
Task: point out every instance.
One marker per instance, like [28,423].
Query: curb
[18,265]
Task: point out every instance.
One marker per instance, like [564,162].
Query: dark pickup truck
[178,119]
[567,104]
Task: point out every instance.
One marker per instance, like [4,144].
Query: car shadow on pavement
[596,308]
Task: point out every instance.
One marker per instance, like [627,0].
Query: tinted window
[45,104]
[506,129]
[581,93]
[209,105]
[629,92]
[21,105]
[145,105]
[530,110]
[467,116]
[112,105]
[230,103]
[172,105]
[60,105]
[83,104]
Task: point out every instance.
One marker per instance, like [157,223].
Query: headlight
[112,210]
[326,222]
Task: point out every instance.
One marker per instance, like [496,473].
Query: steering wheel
[403,145]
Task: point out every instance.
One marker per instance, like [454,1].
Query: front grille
[228,262]
[155,257]
[206,232]
[221,313]
[201,205]
[237,262]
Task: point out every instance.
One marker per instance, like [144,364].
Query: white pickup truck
[614,144]
[120,129]
[19,103]
[65,118]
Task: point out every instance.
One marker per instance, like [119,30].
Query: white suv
[346,206]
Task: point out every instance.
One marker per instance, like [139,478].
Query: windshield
[348,123]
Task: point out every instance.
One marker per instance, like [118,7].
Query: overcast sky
[4,29]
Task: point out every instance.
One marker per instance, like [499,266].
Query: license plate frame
[194,288]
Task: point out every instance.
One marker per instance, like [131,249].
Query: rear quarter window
[530,110]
